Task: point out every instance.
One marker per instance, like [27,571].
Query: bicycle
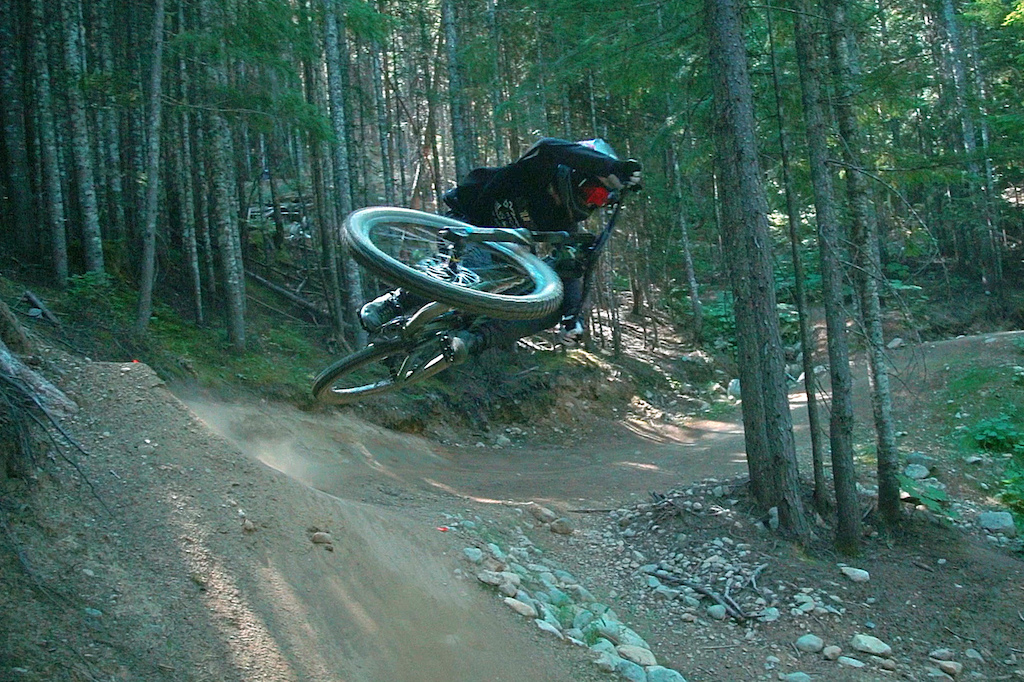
[465,273]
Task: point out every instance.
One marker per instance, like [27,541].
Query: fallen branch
[48,395]
[731,607]
[291,296]
[35,302]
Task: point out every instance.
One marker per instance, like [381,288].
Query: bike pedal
[456,351]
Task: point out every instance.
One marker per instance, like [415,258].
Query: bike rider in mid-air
[554,186]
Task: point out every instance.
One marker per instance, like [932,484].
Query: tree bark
[867,262]
[92,237]
[461,139]
[336,97]
[841,421]
[774,474]
[821,495]
[19,231]
[50,157]
[145,304]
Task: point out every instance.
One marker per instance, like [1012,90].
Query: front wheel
[381,367]
[402,246]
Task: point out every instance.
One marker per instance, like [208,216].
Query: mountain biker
[554,186]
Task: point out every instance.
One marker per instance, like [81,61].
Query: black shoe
[380,311]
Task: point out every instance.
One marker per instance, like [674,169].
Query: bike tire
[336,384]
[398,245]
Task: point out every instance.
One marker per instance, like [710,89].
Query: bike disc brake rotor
[439,267]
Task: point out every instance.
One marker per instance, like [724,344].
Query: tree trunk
[867,271]
[336,96]
[696,309]
[383,129]
[821,496]
[841,422]
[110,133]
[92,238]
[770,439]
[225,207]
[145,304]
[50,157]
[461,139]
[19,232]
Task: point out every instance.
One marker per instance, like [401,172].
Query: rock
[548,627]
[850,662]
[638,655]
[248,526]
[921,458]
[520,607]
[831,653]
[320,538]
[657,673]
[474,554]
[796,677]
[606,662]
[717,611]
[917,472]
[974,655]
[561,526]
[857,575]
[490,578]
[998,522]
[942,654]
[631,671]
[734,389]
[870,645]
[810,644]
[542,514]
[896,343]
[951,668]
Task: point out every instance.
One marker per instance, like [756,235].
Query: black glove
[628,172]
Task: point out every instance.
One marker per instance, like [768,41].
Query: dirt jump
[197,539]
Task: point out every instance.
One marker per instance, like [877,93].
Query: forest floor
[186,536]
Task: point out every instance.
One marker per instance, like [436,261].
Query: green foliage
[933,498]
[998,434]
[1012,494]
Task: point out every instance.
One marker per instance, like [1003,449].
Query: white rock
[521,607]
[857,575]
[638,655]
[870,645]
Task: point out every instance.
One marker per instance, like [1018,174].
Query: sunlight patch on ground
[448,489]
[244,635]
[643,466]
[356,610]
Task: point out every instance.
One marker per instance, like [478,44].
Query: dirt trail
[349,458]
[200,563]
[389,586]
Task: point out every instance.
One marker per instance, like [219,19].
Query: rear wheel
[402,246]
[382,367]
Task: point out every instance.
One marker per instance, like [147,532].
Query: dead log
[294,298]
[50,398]
[35,302]
[11,332]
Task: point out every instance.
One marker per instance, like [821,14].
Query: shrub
[998,434]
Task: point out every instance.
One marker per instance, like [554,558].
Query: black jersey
[521,193]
